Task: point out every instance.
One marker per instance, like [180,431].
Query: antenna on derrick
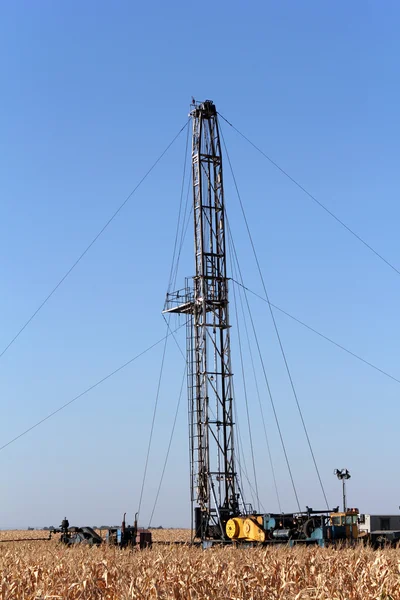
[214,485]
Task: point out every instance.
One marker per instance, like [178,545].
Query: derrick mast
[214,486]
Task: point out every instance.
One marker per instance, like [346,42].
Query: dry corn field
[46,570]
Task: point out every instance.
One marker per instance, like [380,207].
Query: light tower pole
[343,475]
[214,487]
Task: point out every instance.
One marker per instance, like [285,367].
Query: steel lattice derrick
[211,427]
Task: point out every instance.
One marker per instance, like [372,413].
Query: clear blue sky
[92,92]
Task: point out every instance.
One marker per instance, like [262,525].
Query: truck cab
[344,525]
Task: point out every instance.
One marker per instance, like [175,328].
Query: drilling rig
[215,490]
[218,509]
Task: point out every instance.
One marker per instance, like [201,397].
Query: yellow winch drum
[232,528]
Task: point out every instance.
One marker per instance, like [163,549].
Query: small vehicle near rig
[125,536]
